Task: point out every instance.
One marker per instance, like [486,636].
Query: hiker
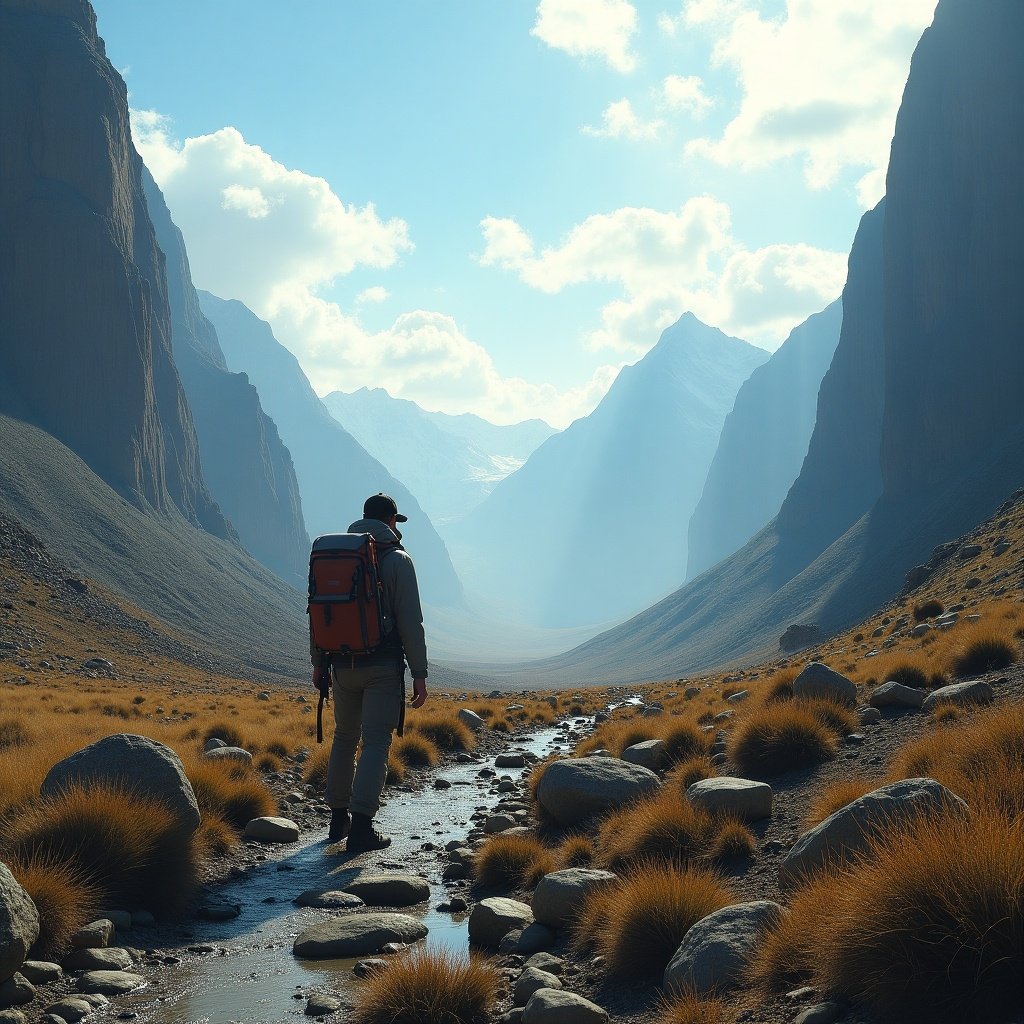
[369,688]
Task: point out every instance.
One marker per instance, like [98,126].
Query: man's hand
[419,692]
[322,681]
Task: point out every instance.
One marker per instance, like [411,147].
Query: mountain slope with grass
[588,529]
[864,511]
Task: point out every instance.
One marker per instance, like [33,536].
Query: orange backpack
[346,609]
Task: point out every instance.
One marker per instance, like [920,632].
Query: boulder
[95,935]
[110,983]
[558,897]
[800,635]
[17,1017]
[71,1009]
[576,789]
[492,919]
[553,1006]
[510,761]
[144,765]
[272,830]
[356,935]
[331,899]
[533,939]
[472,719]
[495,823]
[646,753]
[228,754]
[896,695]
[743,798]
[41,972]
[112,959]
[869,716]
[818,680]
[546,962]
[529,981]
[320,1004]
[16,991]
[213,744]
[19,924]
[849,830]
[975,691]
[716,951]
[389,890]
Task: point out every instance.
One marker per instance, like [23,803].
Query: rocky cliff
[85,332]
[246,466]
[763,442]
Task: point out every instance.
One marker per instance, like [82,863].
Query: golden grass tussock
[778,686]
[230,790]
[984,649]
[512,862]
[687,773]
[314,771]
[130,848]
[14,733]
[64,898]
[575,852]
[684,740]
[663,828]
[731,842]
[638,923]
[430,987]
[690,1008]
[396,770]
[443,728]
[931,925]
[215,836]
[778,738]
[500,725]
[837,796]
[837,717]
[415,750]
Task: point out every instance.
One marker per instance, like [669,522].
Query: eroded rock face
[136,762]
[19,924]
[576,789]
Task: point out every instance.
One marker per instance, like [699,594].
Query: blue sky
[491,205]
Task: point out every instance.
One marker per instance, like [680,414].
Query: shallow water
[252,976]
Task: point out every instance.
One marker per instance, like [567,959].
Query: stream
[244,970]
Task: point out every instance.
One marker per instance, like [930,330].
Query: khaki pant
[367,703]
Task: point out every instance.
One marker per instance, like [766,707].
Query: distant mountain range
[451,463]
[593,526]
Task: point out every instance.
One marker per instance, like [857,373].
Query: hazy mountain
[920,423]
[450,462]
[247,468]
[593,525]
[335,473]
[763,442]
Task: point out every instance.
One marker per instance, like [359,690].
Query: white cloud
[585,28]
[276,238]
[619,121]
[686,94]
[669,263]
[821,83]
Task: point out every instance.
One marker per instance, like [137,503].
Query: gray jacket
[401,599]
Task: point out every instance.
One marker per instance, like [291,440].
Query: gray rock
[646,753]
[492,919]
[818,680]
[849,830]
[120,919]
[821,1013]
[896,695]
[743,798]
[96,935]
[147,766]
[533,939]
[13,1017]
[330,899]
[975,691]
[389,890]
[110,983]
[272,830]
[510,761]
[71,1009]
[19,923]
[716,951]
[365,968]
[576,789]
[921,630]
[16,991]
[228,754]
[142,919]
[356,935]
[529,981]
[510,942]
[546,962]
[970,551]
[112,959]
[652,711]
[41,972]
[870,716]
[472,719]
[559,896]
[495,823]
[263,695]
[219,910]
[553,1006]
[320,1004]
[738,698]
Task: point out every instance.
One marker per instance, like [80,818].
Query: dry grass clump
[575,852]
[314,771]
[663,828]
[683,741]
[230,790]
[835,797]
[224,731]
[616,736]
[985,651]
[415,750]
[638,924]
[778,738]
[778,686]
[14,733]
[396,770]
[500,725]
[430,987]
[732,841]
[64,898]
[512,862]
[444,729]
[837,717]
[131,848]
[689,1008]
[215,836]
[695,770]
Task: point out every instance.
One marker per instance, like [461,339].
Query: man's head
[383,508]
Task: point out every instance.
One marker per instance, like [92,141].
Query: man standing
[369,689]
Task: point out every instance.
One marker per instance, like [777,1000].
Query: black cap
[382,506]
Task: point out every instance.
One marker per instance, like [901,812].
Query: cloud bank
[586,28]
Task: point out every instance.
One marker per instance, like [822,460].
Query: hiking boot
[363,836]
[340,822]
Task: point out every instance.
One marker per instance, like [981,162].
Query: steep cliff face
[763,442]
[335,474]
[247,467]
[593,526]
[954,249]
[84,317]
